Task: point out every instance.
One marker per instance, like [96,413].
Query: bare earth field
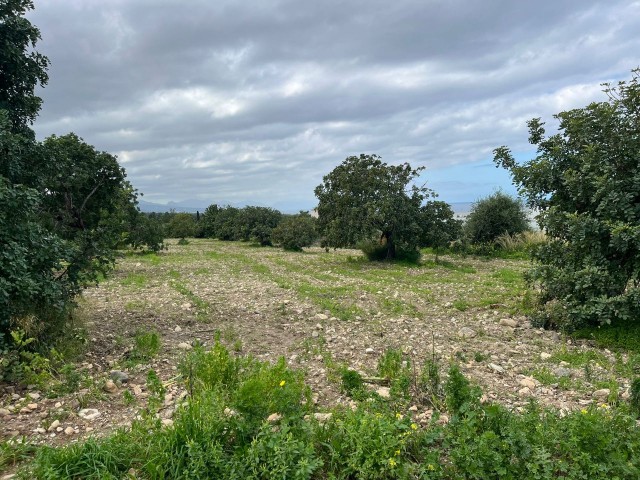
[319,310]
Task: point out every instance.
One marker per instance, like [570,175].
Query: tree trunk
[391,246]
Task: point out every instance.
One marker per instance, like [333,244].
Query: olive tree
[585,184]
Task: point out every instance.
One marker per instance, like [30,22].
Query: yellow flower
[282,383]
[430,467]
[392,462]
[397,453]
[584,411]
[399,416]
[414,426]
[604,405]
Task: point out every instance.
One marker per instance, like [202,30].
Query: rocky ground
[317,309]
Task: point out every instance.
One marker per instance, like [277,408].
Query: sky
[252,102]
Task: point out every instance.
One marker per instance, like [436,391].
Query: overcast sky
[253,101]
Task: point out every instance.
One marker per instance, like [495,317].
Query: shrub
[295,232]
[181,225]
[493,216]
[584,182]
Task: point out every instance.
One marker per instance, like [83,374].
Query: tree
[295,232]
[439,225]
[181,225]
[225,224]
[21,68]
[495,215]
[256,223]
[585,182]
[364,198]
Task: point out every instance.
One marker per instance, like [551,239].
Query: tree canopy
[585,183]
[495,215]
[363,198]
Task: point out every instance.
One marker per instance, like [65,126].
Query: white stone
[274,417]
[508,322]
[496,368]
[184,346]
[177,329]
[89,413]
[466,332]
[545,356]
[384,392]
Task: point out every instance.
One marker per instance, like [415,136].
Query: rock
[466,332]
[443,420]
[229,413]
[40,430]
[137,390]
[545,356]
[322,316]
[110,387]
[369,351]
[413,408]
[33,395]
[602,394]
[186,306]
[528,382]
[4,412]
[119,376]
[8,476]
[508,322]
[384,392]
[496,368]
[55,424]
[167,422]
[562,372]
[524,392]
[89,413]
[315,334]
[177,329]
[32,406]
[69,431]
[322,417]
[274,418]
[184,346]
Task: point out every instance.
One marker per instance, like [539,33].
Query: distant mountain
[149,207]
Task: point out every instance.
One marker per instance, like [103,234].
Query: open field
[321,311]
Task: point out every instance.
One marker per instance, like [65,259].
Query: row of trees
[64,206]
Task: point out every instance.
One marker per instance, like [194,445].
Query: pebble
[184,346]
[523,392]
[562,372]
[601,394]
[32,406]
[466,332]
[55,424]
[69,431]
[370,351]
[167,422]
[508,322]
[177,329]
[4,412]
[110,387]
[528,382]
[496,368]
[33,395]
[384,392]
[545,356]
[40,430]
[119,376]
[89,413]
[274,417]
[322,316]
[322,417]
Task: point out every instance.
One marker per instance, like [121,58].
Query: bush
[295,232]
[493,216]
[181,225]
[584,182]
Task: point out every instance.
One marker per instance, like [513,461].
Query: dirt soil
[317,309]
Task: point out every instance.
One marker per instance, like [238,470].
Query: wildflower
[604,405]
[414,426]
[397,453]
[584,411]
[399,416]
[392,462]
[282,383]
[431,467]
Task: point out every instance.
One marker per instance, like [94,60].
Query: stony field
[320,310]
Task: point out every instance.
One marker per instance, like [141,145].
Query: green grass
[138,280]
[223,432]
[619,337]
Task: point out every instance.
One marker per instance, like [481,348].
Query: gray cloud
[253,102]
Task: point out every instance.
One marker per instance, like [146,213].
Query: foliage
[493,216]
[214,437]
[365,198]
[257,223]
[295,232]
[584,182]
[225,224]
[145,231]
[207,223]
[439,225]
[181,225]
[22,68]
